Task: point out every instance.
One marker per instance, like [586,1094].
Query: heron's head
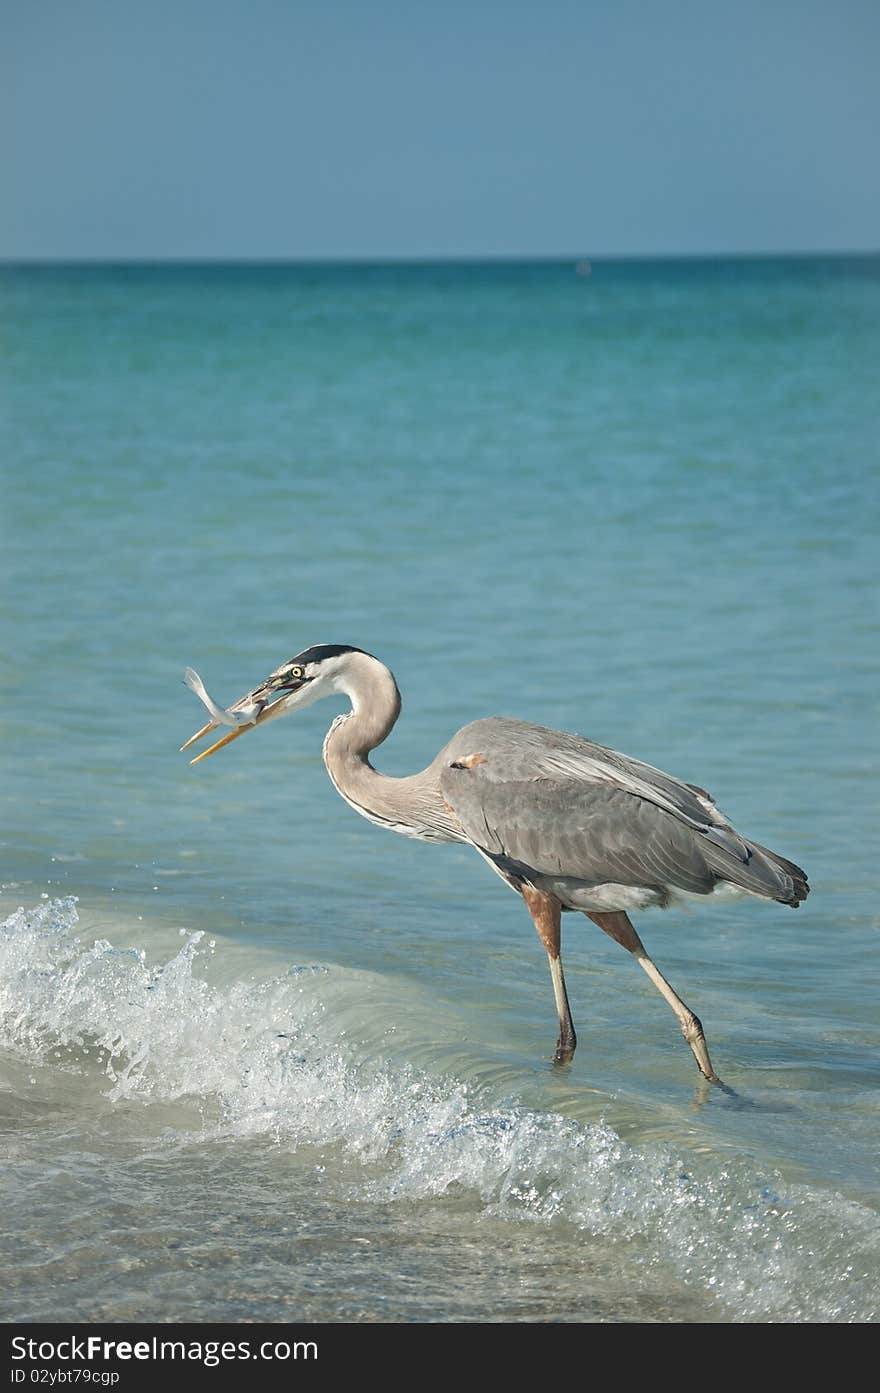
[316,672]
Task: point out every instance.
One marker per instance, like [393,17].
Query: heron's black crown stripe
[322,651]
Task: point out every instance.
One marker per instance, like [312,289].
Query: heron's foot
[565,1048]
[732,1093]
[706,1089]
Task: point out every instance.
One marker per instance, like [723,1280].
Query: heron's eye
[296,671]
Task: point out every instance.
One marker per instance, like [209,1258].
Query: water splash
[264,1058]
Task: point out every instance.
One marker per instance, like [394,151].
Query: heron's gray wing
[589,831]
[516,751]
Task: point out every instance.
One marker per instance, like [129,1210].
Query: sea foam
[263,1059]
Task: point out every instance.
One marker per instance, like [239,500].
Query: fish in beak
[262,704]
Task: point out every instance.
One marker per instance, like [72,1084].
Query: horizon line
[475,259]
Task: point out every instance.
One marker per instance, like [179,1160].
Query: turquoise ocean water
[262,1060]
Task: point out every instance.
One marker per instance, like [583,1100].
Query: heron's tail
[764,873]
[800,888]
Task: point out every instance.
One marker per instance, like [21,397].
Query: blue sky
[284,128]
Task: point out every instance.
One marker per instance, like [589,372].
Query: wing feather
[523,751]
[561,805]
[588,831]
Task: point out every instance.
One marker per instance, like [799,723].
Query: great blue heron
[567,823]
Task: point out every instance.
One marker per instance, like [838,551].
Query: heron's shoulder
[498,731]
[507,743]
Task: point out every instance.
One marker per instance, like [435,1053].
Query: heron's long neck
[409,805]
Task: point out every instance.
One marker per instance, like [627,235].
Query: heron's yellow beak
[218,744]
[267,714]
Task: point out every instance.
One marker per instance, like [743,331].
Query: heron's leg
[546,912]
[618,926]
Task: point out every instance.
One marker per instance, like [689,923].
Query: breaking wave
[267,1058]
